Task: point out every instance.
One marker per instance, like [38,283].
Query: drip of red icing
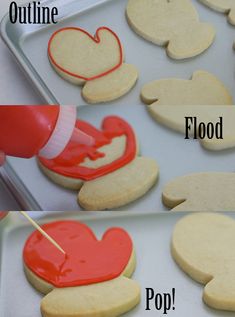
[87,259]
[67,163]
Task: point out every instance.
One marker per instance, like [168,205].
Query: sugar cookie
[224,6]
[96,63]
[111,86]
[173,117]
[170,100]
[203,247]
[108,174]
[92,279]
[174,24]
[201,192]
[202,89]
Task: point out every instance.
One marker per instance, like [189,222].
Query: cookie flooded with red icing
[108,174]
[94,62]
[91,279]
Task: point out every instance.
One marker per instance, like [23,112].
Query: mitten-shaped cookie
[92,279]
[96,63]
[201,192]
[108,174]
[173,24]
[224,6]
[202,89]
[203,247]
[173,117]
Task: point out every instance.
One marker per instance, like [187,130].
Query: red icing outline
[87,261]
[66,163]
[96,39]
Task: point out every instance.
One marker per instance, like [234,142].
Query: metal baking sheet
[174,155]
[28,43]
[155,267]
[7,202]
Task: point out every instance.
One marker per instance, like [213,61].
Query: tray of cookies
[182,68]
[106,50]
[158,168]
[50,283]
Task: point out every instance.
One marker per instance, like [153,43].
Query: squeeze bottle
[26,131]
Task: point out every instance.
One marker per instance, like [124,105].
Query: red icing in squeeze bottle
[26,131]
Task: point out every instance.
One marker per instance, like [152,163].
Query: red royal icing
[67,163]
[87,259]
[95,39]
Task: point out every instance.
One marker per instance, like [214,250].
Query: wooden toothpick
[42,231]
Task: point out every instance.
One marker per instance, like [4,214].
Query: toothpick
[42,231]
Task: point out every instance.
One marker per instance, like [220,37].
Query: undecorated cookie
[173,117]
[108,174]
[92,279]
[224,6]
[201,192]
[168,100]
[96,63]
[202,89]
[203,247]
[173,24]
[111,86]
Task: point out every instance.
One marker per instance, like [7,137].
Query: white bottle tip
[81,137]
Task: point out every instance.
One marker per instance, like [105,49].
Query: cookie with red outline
[94,62]
[108,174]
